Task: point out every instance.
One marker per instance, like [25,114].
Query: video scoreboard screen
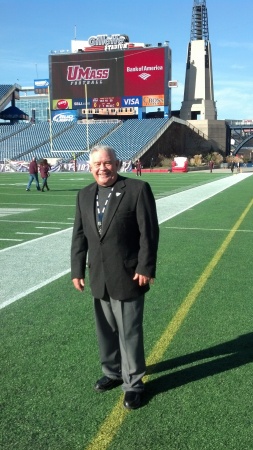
[108,79]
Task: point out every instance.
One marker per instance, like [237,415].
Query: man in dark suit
[116,230]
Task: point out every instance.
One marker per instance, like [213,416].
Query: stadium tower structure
[198,103]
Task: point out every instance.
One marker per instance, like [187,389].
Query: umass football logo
[78,73]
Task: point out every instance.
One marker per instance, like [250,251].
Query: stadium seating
[22,142]
[73,140]
[132,136]
[8,130]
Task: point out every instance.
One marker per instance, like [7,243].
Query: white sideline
[31,265]
[173,205]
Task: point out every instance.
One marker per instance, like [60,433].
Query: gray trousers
[120,338]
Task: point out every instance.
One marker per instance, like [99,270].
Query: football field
[198,322]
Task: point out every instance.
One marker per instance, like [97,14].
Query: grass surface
[198,394]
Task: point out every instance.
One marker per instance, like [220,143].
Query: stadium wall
[181,140]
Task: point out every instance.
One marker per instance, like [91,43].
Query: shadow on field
[224,357]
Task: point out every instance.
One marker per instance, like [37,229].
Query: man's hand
[143,280]
[79,284]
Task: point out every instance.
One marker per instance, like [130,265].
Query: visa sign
[131,101]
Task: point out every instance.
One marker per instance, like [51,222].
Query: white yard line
[15,240]
[34,221]
[223,230]
[9,211]
[32,289]
[28,266]
[48,228]
[24,232]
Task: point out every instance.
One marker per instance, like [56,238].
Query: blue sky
[31,29]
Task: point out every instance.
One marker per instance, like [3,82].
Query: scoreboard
[107,79]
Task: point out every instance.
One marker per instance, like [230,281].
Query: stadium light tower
[198,103]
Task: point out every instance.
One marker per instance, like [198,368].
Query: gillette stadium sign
[109,41]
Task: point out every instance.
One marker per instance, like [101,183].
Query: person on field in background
[44,173]
[116,231]
[211,165]
[33,171]
[138,168]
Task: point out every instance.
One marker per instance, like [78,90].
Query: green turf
[56,208]
[199,394]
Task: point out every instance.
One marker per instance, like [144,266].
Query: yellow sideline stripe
[113,422]
[184,308]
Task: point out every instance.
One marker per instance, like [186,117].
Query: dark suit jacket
[128,242]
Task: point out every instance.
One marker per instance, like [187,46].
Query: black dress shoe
[105,384]
[132,400]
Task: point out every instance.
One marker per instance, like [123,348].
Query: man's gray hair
[105,148]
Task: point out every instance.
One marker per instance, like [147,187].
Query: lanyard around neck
[100,214]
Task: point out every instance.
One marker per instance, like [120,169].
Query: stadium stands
[22,142]
[7,130]
[133,136]
[71,140]
[60,140]
[24,139]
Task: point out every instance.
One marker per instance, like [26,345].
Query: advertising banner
[62,103]
[64,116]
[153,100]
[131,102]
[144,72]
[79,103]
[41,86]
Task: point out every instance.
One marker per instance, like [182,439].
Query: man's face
[104,168]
